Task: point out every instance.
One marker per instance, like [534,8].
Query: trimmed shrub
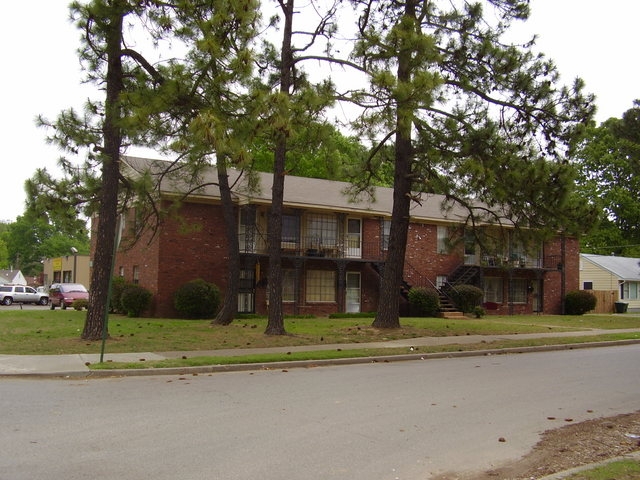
[134,300]
[118,285]
[424,302]
[197,299]
[579,302]
[80,304]
[479,312]
[466,297]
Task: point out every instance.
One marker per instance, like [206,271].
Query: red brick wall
[422,257]
[555,250]
[190,248]
[195,247]
[142,254]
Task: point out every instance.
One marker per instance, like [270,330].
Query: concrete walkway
[76,365]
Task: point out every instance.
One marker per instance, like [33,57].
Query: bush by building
[424,302]
[134,300]
[466,297]
[579,302]
[197,299]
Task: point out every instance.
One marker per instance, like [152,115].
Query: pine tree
[471,117]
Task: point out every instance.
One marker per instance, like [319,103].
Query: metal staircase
[447,308]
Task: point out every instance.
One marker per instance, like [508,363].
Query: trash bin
[621,307]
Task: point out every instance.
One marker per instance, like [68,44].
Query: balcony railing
[312,247]
[514,261]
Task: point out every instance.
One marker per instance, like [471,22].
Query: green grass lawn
[58,332]
[620,470]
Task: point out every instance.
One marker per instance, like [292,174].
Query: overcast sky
[588,38]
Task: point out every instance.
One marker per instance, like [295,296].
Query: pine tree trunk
[95,323]
[275,325]
[229,308]
[388,315]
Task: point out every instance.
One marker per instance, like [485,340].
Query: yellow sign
[57,264]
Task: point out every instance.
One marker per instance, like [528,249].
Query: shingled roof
[625,268]
[299,192]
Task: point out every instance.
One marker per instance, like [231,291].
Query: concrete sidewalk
[76,365]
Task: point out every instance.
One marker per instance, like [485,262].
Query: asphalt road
[404,420]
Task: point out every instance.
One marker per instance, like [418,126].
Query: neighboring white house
[12,276]
[605,272]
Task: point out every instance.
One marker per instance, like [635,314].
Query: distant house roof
[12,276]
[624,268]
[301,192]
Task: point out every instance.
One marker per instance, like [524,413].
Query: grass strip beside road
[618,470]
[376,354]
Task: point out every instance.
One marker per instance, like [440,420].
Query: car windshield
[73,287]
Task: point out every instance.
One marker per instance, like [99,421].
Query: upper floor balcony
[351,247]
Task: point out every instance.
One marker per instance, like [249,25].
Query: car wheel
[63,305]
[7,301]
[43,301]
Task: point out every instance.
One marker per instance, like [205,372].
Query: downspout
[563,275]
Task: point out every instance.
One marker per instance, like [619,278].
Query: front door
[536,296]
[246,291]
[353,292]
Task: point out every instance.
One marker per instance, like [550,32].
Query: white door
[354,238]
[353,292]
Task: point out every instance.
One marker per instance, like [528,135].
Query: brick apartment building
[333,250]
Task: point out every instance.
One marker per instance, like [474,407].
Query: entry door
[353,292]
[536,296]
[354,238]
[246,291]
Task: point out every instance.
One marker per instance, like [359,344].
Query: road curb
[85,372]
[239,367]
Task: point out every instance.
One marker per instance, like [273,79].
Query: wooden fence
[606,300]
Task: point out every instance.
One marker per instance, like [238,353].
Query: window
[386,230]
[322,230]
[441,281]
[519,290]
[630,290]
[587,286]
[121,272]
[136,274]
[493,289]
[288,285]
[290,231]
[443,239]
[321,286]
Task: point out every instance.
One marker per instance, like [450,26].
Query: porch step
[451,314]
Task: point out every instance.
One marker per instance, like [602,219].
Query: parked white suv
[21,294]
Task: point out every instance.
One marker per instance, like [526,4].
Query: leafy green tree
[608,159]
[469,115]
[4,254]
[324,153]
[33,237]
